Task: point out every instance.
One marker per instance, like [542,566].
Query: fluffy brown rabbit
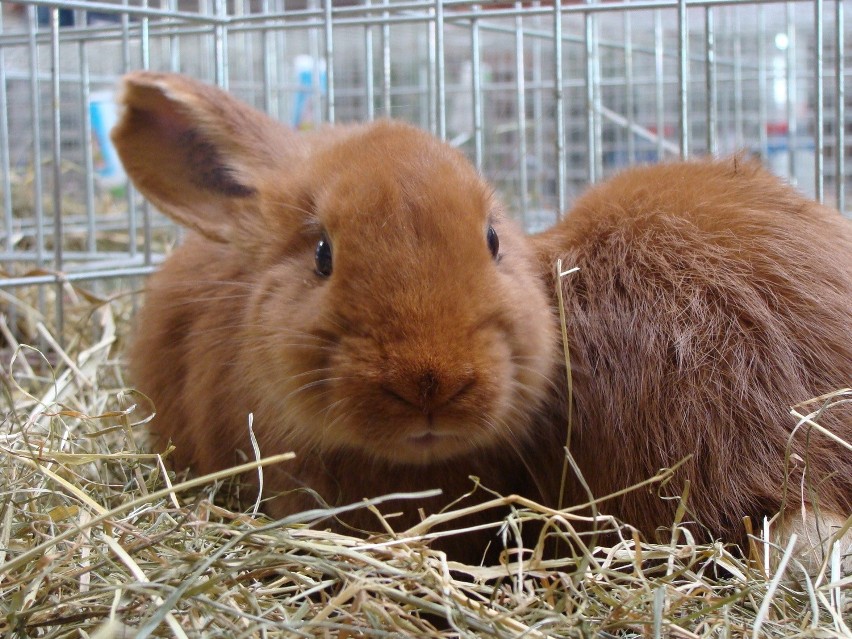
[711,296]
[361,291]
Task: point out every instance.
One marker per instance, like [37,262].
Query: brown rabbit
[360,290]
[710,297]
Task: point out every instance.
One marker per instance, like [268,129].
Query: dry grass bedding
[99,539]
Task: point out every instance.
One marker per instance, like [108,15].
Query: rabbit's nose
[430,386]
[428,390]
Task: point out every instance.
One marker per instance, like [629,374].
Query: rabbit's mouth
[432,439]
[430,445]
[428,438]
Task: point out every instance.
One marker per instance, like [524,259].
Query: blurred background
[544,97]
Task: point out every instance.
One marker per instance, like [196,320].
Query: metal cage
[545,97]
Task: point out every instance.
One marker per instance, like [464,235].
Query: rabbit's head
[393,309]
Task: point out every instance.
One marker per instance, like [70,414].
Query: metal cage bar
[544,96]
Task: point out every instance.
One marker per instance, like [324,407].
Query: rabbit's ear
[198,154]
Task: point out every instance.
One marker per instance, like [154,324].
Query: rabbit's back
[710,298]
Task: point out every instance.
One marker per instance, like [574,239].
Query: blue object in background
[307,68]
[104,114]
[66,17]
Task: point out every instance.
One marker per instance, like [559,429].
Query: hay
[98,539]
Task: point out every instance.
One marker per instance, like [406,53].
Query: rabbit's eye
[493,242]
[323,257]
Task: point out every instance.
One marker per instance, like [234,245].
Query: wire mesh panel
[545,97]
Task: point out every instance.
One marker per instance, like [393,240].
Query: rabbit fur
[343,286]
